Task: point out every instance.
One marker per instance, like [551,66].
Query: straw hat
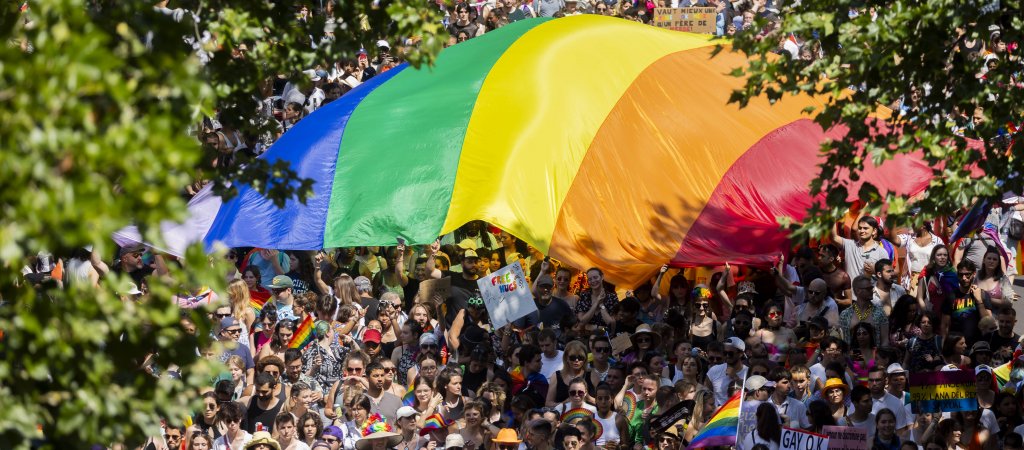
[263,437]
[646,329]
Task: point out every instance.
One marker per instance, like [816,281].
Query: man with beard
[382,401]
[965,311]
[732,370]
[887,290]
[555,313]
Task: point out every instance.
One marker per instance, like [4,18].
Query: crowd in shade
[341,348]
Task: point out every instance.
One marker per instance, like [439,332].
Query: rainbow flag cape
[434,422]
[303,334]
[409,398]
[721,429]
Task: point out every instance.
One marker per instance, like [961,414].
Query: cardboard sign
[802,440]
[847,438]
[947,391]
[507,294]
[680,411]
[621,343]
[435,291]
[692,20]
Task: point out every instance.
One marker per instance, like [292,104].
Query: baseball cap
[454,440]
[228,321]
[469,254]
[281,282]
[406,411]
[383,43]
[755,382]
[736,343]
[371,335]
[819,322]
[545,280]
[980,347]
[467,244]
[428,338]
[333,431]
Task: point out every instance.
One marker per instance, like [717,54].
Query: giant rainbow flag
[721,429]
[600,141]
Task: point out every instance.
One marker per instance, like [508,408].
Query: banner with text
[692,20]
[506,294]
[802,440]
[948,391]
[846,438]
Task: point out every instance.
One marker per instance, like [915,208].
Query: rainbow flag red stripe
[257,305]
[721,429]
[303,334]
[409,399]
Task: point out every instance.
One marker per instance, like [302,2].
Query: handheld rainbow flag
[303,334]
[1002,373]
[257,304]
[721,429]
[434,422]
[409,398]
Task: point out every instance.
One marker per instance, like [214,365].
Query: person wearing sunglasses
[230,330]
[774,335]
[553,312]
[574,366]
[601,351]
[732,370]
[578,396]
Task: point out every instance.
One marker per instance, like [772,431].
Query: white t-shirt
[868,424]
[549,366]
[221,443]
[805,311]
[720,382]
[793,409]
[895,404]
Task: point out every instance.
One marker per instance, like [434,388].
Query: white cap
[383,43]
[454,440]
[406,411]
[755,382]
[736,343]
[895,368]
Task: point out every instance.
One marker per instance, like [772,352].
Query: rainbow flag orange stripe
[257,305]
[434,422]
[721,429]
[303,334]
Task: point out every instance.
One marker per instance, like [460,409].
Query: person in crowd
[835,393]
[837,279]
[230,418]
[954,349]
[563,279]
[574,366]
[863,310]
[601,352]
[775,337]
[938,283]
[791,411]
[283,332]
[887,287]
[918,248]
[702,326]
[967,306]
[238,298]
[732,370]
[863,350]
[885,431]
[768,431]
[703,409]
[992,280]
[644,340]
[820,416]
[311,428]
[449,385]
[924,351]
[595,303]
[861,254]
[1003,341]
[264,330]
[878,379]
[903,321]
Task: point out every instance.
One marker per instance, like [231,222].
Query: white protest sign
[802,440]
[847,438]
[506,294]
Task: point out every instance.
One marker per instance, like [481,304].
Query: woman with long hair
[992,279]
[903,321]
[953,349]
[939,281]
[396,276]
[950,433]
[449,385]
[494,394]
[563,282]
[425,399]
[925,350]
[346,292]
[238,297]
[592,307]
[885,430]
[404,355]
[236,367]
[427,366]
[703,409]
[578,396]
[819,415]
[264,332]
[768,431]
[252,276]
[200,441]
[305,273]
[574,365]
[311,426]
[703,327]
[678,291]
[283,332]
[862,351]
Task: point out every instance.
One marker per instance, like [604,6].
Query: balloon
[600,141]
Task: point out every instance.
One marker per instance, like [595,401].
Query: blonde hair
[238,297]
[802,370]
[236,361]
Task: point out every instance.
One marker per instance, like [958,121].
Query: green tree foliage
[892,51]
[99,100]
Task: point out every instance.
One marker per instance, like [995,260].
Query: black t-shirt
[557,315]
[996,341]
[964,315]
[371,305]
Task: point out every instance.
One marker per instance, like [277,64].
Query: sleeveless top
[611,431]
[561,389]
[254,414]
[702,342]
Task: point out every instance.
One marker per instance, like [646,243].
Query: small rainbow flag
[409,399]
[1002,373]
[257,304]
[434,422]
[721,429]
[303,334]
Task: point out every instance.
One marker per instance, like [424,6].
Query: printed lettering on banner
[802,440]
[691,20]
[506,294]
[847,438]
[948,391]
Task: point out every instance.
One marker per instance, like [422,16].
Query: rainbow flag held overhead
[303,334]
[434,422]
[721,429]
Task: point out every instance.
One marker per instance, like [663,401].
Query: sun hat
[507,436]
[377,428]
[646,329]
[895,368]
[835,383]
[263,437]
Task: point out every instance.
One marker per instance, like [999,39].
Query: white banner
[506,294]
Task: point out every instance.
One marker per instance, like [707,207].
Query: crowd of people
[828,336]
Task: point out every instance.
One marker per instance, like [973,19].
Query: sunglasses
[354,369]
[329,439]
[667,439]
[577,358]
[475,301]
[224,315]
[731,353]
[577,393]
[233,331]
[390,369]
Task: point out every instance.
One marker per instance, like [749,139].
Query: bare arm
[655,290]
[552,388]
[456,329]
[781,282]
[723,284]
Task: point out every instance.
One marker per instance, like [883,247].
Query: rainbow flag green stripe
[409,178]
